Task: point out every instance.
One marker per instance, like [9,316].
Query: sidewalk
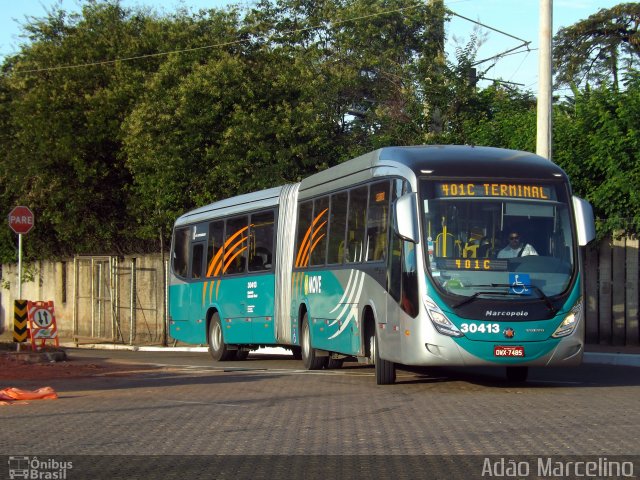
[628,356]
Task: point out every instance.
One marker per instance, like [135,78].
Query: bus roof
[234,205]
[471,161]
[449,161]
[437,161]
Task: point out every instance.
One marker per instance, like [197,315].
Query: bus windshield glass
[510,238]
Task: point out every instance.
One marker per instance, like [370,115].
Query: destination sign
[480,264]
[486,189]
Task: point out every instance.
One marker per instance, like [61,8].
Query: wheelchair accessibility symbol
[519,283]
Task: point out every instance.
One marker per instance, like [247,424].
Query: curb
[616,359]
[591,358]
[134,348]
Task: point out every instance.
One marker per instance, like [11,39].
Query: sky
[518,18]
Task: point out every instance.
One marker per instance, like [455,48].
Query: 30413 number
[480,328]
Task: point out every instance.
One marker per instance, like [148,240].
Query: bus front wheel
[309,358]
[217,348]
[385,370]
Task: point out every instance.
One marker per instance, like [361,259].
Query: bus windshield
[502,238]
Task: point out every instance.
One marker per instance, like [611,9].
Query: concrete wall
[93,296]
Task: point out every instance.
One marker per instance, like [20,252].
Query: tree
[63,125]
[596,50]
[597,144]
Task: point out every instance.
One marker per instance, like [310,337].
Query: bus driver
[515,248]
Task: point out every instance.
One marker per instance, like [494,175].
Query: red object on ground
[12,394]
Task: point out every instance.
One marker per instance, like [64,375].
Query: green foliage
[593,51]
[597,142]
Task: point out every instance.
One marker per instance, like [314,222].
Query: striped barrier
[20,321]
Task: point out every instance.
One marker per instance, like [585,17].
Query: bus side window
[197,251]
[303,236]
[318,248]
[337,226]
[214,249]
[260,255]
[378,221]
[181,252]
[235,248]
[356,226]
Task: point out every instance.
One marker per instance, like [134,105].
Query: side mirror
[405,220]
[585,223]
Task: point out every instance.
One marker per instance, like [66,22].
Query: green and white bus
[425,255]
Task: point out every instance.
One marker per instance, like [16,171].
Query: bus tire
[517,374]
[309,358]
[334,363]
[217,348]
[385,370]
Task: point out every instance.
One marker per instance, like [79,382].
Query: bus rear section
[222,277]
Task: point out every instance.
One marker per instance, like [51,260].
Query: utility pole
[433,114]
[545,121]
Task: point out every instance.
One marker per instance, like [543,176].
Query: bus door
[260,281]
[233,286]
[179,290]
[197,308]
[402,285]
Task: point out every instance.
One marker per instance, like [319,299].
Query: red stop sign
[21,220]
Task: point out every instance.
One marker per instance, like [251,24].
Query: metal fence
[611,285]
[121,300]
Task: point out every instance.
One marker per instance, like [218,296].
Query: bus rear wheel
[217,348]
[517,374]
[385,370]
[309,357]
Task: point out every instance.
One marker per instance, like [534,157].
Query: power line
[487,26]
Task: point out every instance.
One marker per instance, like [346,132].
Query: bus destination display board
[480,264]
[486,189]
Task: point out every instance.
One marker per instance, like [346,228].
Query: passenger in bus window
[515,248]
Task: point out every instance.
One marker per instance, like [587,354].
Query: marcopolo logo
[506,313]
[35,468]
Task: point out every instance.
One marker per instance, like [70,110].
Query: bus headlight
[439,319]
[570,322]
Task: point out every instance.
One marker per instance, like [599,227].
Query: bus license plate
[500,351]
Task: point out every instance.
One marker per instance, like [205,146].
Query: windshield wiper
[540,293]
[477,294]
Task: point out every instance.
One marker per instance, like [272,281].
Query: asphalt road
[271,408]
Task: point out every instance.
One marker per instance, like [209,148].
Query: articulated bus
[425,255]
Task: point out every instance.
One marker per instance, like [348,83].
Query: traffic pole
[19,277]
[19,266]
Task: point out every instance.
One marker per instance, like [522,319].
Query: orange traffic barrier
[42,324]
[12,394]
